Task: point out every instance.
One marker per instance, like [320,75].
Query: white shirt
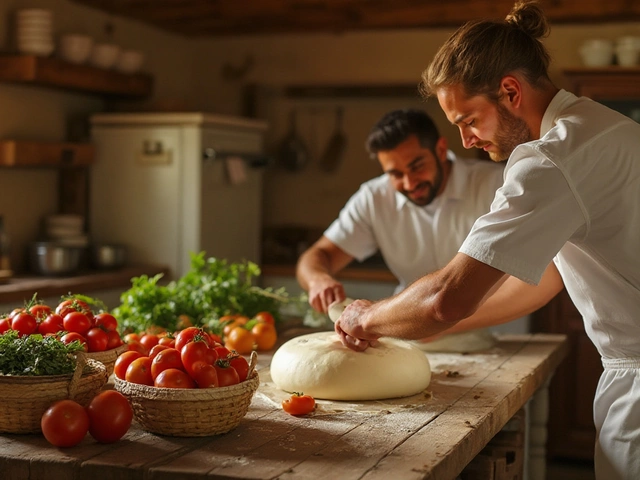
[415,240]
[574,195]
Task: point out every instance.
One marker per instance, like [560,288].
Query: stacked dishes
[66,229]
[34,31]
[628,51]
[597,52]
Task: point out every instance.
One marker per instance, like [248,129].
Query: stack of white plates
[66,229]
[34,31]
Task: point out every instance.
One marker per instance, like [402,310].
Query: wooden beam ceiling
[208,18]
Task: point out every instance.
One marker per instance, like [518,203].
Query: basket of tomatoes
[37,371]
[193,387]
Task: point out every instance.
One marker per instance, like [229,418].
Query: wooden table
[430,436]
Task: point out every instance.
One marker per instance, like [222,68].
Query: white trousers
[616,413]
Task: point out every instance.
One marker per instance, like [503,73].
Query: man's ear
[511,90]
[441,149]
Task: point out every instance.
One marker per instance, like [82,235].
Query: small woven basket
[24,399]
[108,357]
[191,412]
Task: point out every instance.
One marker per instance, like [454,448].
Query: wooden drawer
[16,153]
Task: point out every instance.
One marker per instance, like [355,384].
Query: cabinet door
[571,432]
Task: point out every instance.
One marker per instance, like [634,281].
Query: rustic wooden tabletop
[433,435]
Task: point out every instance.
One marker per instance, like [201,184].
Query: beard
[434,188]
[512,131]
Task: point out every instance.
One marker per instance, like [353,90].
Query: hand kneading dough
[319,365]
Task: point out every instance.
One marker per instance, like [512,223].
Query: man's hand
[350,326]
[324,292]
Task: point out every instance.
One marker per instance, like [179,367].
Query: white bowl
[130,61]
[597,52]
[628,55]
[75,48]
[104,55]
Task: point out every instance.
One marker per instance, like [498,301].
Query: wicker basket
[193,412]
[24,399]
[108,357]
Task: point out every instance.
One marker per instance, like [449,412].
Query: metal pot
[50,258]
[108,256]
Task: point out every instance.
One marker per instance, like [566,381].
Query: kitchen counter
[22,288]
[433,435]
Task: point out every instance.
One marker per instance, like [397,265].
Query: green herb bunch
[211,289]
[36,355]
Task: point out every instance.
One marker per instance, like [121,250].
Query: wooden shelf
[15,153]
[605,83]
[53,72]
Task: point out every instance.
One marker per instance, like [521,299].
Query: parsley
[36,355]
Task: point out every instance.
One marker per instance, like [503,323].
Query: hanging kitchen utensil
[293,153]
[337,144]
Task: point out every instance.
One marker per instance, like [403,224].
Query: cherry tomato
[265,335]
[110,416]
[51,324]
[132,337]
[5,325]
[67,338]
[299,404]
[169,341]
[265,317]
[157,349]
[97,339]
[227,375]
[74,305]
[240,364]
[114,339]
[123,361]
[240,339]
[137,347]
[196,351]
[76,322]
[187,335]
[165,359]
[139,371]
[24,323]
[149,340]
[204,374]
[65,423]
[237,322]
[40,311]
[174,378]
[106,321]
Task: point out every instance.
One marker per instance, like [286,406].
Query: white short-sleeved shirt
[574,195]
[415,240]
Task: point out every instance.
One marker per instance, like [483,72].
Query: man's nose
[409,182]
[468,139]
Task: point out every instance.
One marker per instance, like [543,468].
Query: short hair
[396,126]
[480,53]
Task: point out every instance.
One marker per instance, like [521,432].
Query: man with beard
[417,213]
[568,212]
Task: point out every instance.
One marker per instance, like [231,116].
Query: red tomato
[174,378]
[240,364]
[73,336]
[157,349]
[139,371]
[299,404]
[5,325]
[165,359]
[168,341]
[215,340]
[24,323]
[241,340]
[227,375]
[97,339]
[223,352]
[187,335]
[137,347]
[106,321]
[197,351]
[114,339]
[132,337]
[110,416]
[65,423]
[74,305]
[265,335]
[40,311]
[76,322]
[204,374]
[149,340]
[123,361]
[265,317]
[51,324]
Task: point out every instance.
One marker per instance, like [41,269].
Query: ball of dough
[319,365]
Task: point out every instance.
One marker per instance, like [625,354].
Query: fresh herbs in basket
[36,355]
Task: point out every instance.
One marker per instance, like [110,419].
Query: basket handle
[77,374]
[253,362]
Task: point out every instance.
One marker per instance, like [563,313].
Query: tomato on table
[65,423]
[240,339]
[265,335]
[265,317]
[110,416]
[299,404]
